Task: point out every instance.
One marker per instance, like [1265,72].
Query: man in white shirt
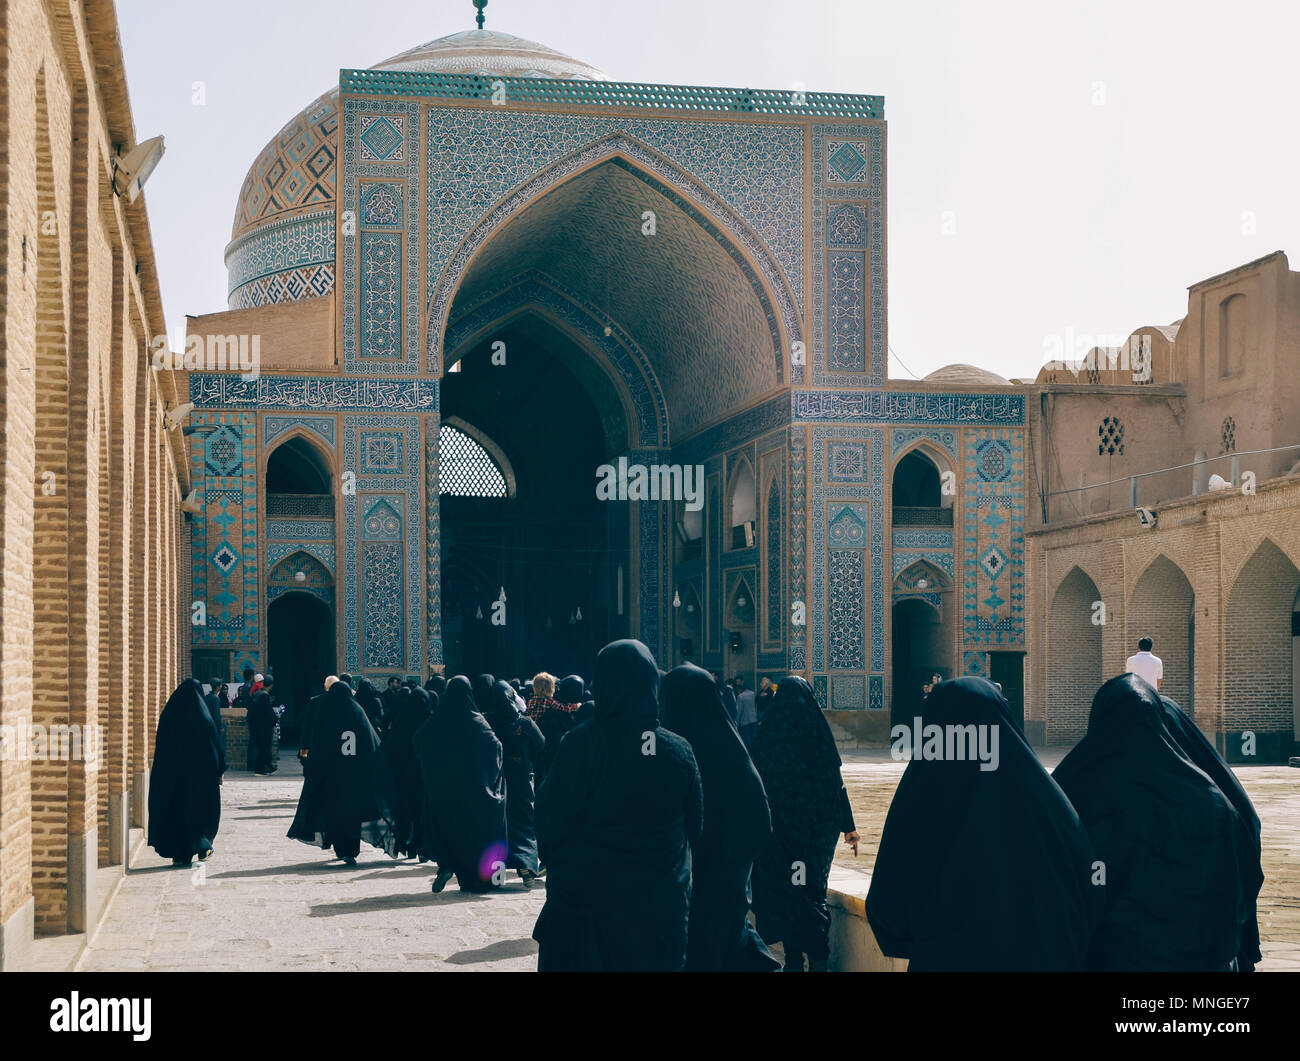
[1146,666]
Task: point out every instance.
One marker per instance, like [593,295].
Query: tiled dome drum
[282,240]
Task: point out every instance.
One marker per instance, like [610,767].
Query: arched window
[917,497]
[744,507]
[466,468]
[298,481]
[1232,335]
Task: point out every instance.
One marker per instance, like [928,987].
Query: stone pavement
[265,902]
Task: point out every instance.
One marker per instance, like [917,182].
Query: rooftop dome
[295,172]
[966,376]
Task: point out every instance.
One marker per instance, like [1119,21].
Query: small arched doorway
[918,654]
[300,648]
[300,636]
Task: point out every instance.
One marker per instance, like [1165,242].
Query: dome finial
[480,4]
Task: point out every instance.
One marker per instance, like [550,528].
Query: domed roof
[295,172]
[966,376]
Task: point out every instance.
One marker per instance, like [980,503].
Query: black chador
[737,824]
[410,709]
[983,864]
[796,756]
[343,797]
[616,819]
[521,744]
[1171,844]
[185,780]
[464,792]
[1195,746]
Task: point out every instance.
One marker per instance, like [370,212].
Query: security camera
[1218,482]
[131,170]
[1146,517]
[176,416]
[192,504]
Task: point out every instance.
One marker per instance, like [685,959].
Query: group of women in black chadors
[658,833]
[1141,851]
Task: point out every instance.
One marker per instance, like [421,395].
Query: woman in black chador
[616,818]
[980,869]
[737,824]
[464,827]
[521,744]
[344,796]
[185,780]
[1170,844]
[411,710]
[1195,746]
[795,753]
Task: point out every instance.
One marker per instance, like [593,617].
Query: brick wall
[88,578]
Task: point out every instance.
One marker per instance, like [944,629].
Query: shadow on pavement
[498,951]
[394,902]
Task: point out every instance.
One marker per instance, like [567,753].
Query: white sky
[1072,217]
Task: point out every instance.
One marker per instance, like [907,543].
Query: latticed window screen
[1110,437]
[465,468]
[1228,436]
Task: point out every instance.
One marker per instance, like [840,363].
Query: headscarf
[570,691]
[1171,843]
[370,703]
[1023,904]
[626,685]
[436,684]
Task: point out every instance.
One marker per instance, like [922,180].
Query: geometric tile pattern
[382,137]
[903,437]
[381,204]
[847,517]
[381,626]
[846,161]
[943,561]
[976,664]
[296,170]
[849,163]
[847,309]
[478,154]
[380,278]
[382,519]
[321,551]
[302,530]
[223,558]
[321,426]
[774,569]
[993,554]
[382,574]
[304,243]
[847,463]
[381,453]
[308,281]
[849,692]
[875,692]
[381,308]
[923,539]
[798,550]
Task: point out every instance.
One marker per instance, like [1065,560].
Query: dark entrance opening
[300,651]
[918,655]
[520,513]
[1007,669]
